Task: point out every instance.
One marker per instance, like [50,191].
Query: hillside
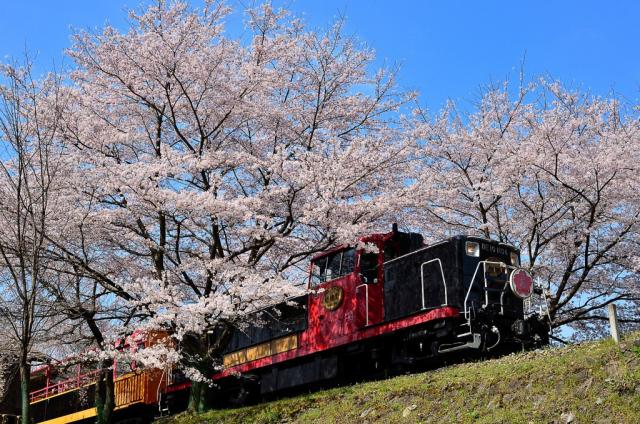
[590,382]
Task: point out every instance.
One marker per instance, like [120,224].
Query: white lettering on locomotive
[492,248]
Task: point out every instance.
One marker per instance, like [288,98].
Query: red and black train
[369,311]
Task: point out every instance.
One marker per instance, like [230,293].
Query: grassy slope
[590,382]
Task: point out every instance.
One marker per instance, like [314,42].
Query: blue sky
[447,49]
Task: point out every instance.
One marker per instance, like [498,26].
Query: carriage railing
[129,388]
[76,382]
[483,264]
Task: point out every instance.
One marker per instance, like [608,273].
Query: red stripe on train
[367,332]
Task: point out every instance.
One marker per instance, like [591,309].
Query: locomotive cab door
[369,291]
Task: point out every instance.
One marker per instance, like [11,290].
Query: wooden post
[613,322]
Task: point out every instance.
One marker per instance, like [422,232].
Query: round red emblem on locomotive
[521,283]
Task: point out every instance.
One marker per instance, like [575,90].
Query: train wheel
[245,393]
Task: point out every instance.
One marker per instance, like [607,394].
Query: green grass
[585,383]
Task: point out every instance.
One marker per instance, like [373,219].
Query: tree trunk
[198,401]
[25,374]
[105,395]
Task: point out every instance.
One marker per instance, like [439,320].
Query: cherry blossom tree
[182,178]
[554,172]
[30,112]
[9,375]
[211,169]
[93,316]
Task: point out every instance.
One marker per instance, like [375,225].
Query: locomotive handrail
[467,311]
[366,302]
[444,283]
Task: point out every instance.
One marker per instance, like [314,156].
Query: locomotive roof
[386,236]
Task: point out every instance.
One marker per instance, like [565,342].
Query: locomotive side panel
[425,279]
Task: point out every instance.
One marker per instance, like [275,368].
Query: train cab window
[369,267]
[318,271]
[333,266]
[348,261]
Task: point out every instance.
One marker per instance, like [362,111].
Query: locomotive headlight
[515,260]
[473,249]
